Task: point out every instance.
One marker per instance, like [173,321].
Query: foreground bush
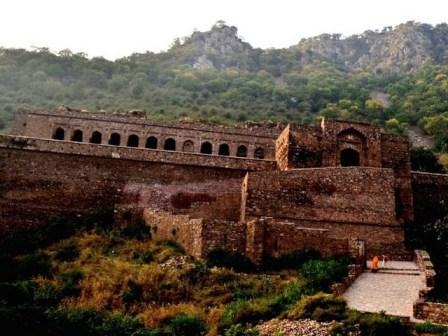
[239,330]
[320,307]
[431,328]
[224,258]
[291,260]
[320,274]
[187,325]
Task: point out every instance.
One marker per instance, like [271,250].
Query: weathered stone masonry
[257,190]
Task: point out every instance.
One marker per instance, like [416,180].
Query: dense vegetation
[81,276]
[197,78]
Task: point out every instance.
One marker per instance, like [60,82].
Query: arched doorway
[206,148]
[115,139]
[59,134]
[349,158]
[96,138]
[224,149]
[151,142]
[170,144]
[133,140]
[241,151]
[77,136]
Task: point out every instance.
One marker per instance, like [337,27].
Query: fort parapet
[340,187]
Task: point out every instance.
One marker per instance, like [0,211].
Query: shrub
[118,324]
[224,258]
[70,281]
[17,293]
[147,256]
[382,325]
[132,292]
[173,245]
[33,264]
[320,274]
[187,325]
[67,251]
[320,307]
[136,230]
[239,330]
[431,328]
[291,260]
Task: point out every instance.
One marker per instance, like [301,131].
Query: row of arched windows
[152,143]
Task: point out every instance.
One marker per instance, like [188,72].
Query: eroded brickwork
[259,190]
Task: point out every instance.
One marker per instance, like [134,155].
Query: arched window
[224,149]
[188,146]
[259,153]
[133,140]
[349,158]
[77,136]
[151,142]
[170,144]
[115,139]
[241,151]
[206,148]
[59,134]
[96,138]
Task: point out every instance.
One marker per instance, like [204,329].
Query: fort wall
[352,195]
[430,196]
[251,142]
[42,178]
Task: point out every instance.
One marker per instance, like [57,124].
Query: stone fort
[260,190]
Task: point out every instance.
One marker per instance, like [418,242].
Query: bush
[187,325]
[239,330]
[291,260]
[132,292]
[173,245]
[67,251]
[224,258]
[118,324]
[70,281]
[320,307]
[382,325]
[320,274]
[136,230]
[31,265]
[431,328]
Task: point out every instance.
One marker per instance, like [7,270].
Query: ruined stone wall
[138,154]
[181,228]
[352,195]
[197,236]
[38,182]
[430,194]
[208,199]
[395,155]
[304,147]
[339,135]
[282,148]
[257,141]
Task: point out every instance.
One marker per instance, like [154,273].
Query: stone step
[397,272]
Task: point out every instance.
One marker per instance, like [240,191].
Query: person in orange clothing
[374,264]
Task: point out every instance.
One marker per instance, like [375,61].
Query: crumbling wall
[196,235]
[39,182]
[43,123]
[430,194]
[352,195]
[395,155]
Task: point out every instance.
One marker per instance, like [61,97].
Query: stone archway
[350,158]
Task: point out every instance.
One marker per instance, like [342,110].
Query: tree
[425,160]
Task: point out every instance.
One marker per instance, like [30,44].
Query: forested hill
[395,77]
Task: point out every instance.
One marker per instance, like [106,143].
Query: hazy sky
[116,28]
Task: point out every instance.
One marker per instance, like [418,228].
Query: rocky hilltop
[404,48]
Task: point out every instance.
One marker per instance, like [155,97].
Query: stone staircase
[393,289]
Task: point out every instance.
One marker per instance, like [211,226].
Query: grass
[106,282]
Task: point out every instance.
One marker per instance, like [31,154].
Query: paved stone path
[393,289]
